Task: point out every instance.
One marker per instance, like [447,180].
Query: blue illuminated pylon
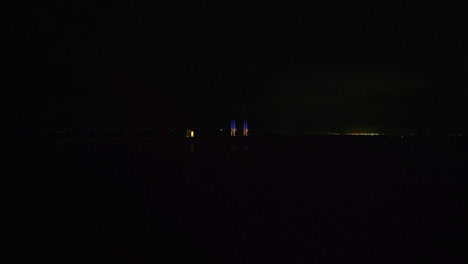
[233,128]
[245,132]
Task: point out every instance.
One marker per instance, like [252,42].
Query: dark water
[243,200]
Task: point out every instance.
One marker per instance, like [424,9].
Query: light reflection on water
[26,146]
[192,150]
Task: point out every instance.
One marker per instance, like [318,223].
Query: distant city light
[190,133]
[363,134]
[354,134]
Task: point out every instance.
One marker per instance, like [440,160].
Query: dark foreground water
[243,200]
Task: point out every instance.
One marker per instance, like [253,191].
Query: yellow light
[192,134]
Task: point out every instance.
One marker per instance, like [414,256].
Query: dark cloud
[385,64]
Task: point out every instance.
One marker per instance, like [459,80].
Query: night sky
[342,66]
